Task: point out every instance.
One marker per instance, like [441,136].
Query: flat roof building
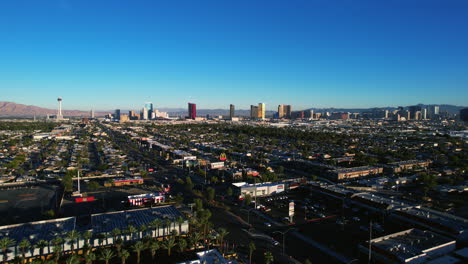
[409,246]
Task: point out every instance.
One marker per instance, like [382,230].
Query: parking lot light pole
[284,238]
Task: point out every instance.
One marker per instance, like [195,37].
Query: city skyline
[111,55]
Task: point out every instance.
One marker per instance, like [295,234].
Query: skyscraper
[284,111]
[149,109]
[59,110]
[117,114]
[192,111]
[464,114]
[253,112]
[231,111]
[145,113]
[261,111]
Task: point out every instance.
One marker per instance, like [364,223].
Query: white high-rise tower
[59,111]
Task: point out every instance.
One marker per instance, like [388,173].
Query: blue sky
[309,53]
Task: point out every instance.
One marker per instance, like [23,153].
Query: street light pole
[284,238]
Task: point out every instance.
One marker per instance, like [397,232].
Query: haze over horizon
[334,53]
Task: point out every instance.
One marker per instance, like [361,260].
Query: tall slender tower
[59,111]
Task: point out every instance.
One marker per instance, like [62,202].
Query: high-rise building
[284,111]
[464,114]
[117,114]
[231,111]
[145,113]
[436,109]
[413,109]
[59,110]
[192,111]
[253,112]
[149,109]
[261,111]
[424,114]
[92,113]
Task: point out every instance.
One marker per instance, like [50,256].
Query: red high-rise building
[192,110]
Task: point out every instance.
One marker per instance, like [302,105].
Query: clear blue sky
[308,53]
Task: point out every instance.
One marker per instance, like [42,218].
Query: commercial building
[192,111]
[260,189]
[100,224]
[350,173]
[211,256]
[407,165]
[122,181]
[117,114]
[409,246]
[147,198]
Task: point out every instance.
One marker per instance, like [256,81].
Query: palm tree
[72,236]
[222,233]
[87,237]
[116,233]
[138,247]
[182,243]
[155,224]
[57,252]
[180,220]
[6,243]
[124,256]
[73,259]
[194,238]
[268,257]
[89,257]
[168,244]
[252,248]
[131,230]
[41,244]
[106,255]
[142,229]
[118,246]
[167,224]
[24,245]
[153,247]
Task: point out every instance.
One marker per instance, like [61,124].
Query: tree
[5,244]
[198,204]
[252,248]
[41,244]
[72,236]
[118,246]
[24,245]
[188,184]
[68,180]
[429,182]
[89,257]
[210,194]
[106,255]
[87,235]
[229,191]
[247,199]
[137,248]
[155,224]
[73,259]
[222,233]
[124,256]
[180,220]
[130,230]
[93,185]
[268,257]
[168,244]
[153,246]
[57,253]
[182,243]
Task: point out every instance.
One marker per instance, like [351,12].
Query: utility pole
[370,241]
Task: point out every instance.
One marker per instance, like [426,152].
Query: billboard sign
[217,165]
[291,208]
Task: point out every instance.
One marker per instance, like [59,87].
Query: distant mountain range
[10,109]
